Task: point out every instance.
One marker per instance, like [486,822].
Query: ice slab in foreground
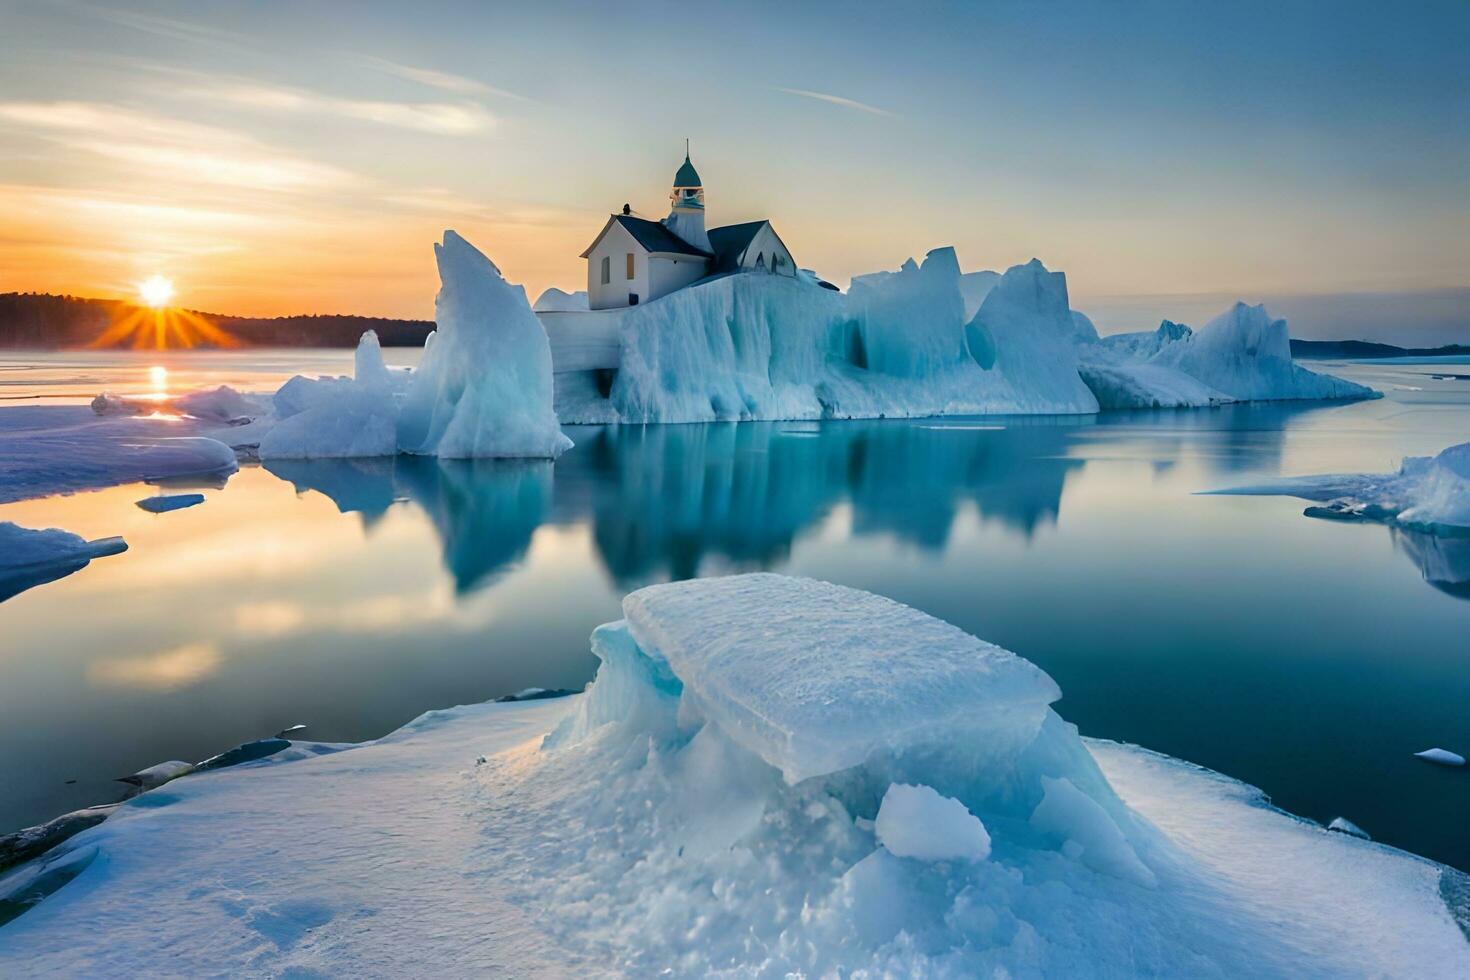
[31,557]
[650,833]
[1430,494]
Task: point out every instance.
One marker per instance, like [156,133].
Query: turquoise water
[1307,657]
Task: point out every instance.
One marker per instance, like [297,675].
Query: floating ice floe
[1429,494]
[31,557]
[1443,757]
[768,776]
[163,503]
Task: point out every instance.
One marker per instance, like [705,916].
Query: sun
[156,291]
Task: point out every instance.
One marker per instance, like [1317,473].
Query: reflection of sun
[158,377]
[157,325]
[156,291]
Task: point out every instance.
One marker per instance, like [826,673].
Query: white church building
[634,260]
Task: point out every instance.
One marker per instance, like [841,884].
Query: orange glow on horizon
[142,328]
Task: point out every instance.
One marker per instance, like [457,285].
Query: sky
[277,157]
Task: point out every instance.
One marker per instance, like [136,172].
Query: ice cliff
[768,776]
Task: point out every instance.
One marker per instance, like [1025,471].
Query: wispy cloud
[163,146]
[447,118]
[442,80]
[836,100]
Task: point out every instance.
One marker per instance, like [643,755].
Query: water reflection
[1443,561]
[666,502]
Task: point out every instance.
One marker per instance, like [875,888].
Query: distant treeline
[1350,349]
[46,321]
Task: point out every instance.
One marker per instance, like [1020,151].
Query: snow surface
[1430,494]
[644,837]
[30,557]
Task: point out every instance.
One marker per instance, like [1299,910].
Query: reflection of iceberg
[1443,561]
[485,511]
[665,499]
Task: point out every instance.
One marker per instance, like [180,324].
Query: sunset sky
[283,157]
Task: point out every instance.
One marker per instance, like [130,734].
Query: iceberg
[31,557]
[1242,355]
[482,389]
[1246,354]
[1428,494]
[899,345]
[555,300]
[711,806]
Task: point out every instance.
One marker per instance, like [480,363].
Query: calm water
[1307,657]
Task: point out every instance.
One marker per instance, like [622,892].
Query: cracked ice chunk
[815,677]
[918,822]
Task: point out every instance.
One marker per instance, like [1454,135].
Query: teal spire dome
[687,175]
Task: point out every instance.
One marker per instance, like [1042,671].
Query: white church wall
[615,246]
[666,275]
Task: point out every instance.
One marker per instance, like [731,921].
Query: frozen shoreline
[462,843]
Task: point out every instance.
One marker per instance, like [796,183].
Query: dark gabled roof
[652,235]
[687,175]
[730,241]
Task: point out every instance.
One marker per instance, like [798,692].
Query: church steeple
[686,200]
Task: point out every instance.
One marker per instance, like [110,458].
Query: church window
[630,265]
[760,260]
[606,269]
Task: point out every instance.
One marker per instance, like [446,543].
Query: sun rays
[161,328]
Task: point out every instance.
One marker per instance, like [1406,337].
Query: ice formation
[1242,355]
[1429,494]
[555,300]
[31,557]
[899,344]
[1443,757]
[916,822]
[482,389]
[685,817]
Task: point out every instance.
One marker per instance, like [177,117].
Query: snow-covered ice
[53,449]
[651,833]
[1429,494]
[31,557]
[1343,825]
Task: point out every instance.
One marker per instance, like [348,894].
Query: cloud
[163,671]
[442,80]
[158,146]
[836,100]
[446,118]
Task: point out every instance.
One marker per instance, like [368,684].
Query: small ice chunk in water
[1443,757]
[170,501]
[918,822]
[1343,825]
